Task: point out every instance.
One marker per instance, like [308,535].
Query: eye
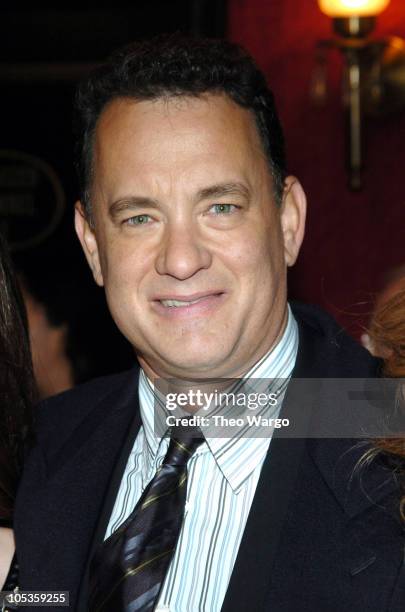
[223,209]
[138,220]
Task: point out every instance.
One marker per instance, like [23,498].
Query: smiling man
[186,236]
[189,220]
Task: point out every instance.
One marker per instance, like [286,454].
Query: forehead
[177,137]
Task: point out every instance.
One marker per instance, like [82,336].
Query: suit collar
[118,404]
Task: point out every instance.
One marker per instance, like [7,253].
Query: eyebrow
[133,203]
[223,189]
[130,203]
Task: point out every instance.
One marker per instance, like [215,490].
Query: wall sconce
[374,76]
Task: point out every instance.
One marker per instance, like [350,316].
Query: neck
[177,383]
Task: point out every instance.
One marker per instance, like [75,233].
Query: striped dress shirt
[222,477]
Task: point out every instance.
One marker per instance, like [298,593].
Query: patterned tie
[128,571]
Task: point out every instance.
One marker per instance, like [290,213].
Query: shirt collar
[235,457]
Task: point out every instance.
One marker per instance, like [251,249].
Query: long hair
[17,389]
[387,330]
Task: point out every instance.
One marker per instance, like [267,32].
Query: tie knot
[184,441]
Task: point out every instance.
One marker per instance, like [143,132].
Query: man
[189,220]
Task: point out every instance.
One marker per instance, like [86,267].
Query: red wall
[352,239]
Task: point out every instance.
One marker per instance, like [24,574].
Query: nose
[182,252]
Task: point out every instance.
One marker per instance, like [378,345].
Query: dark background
[352,240]
[44,51]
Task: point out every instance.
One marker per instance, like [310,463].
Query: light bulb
[352,8]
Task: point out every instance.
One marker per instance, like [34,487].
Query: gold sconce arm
[374,79]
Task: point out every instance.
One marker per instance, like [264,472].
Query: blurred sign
[32,200]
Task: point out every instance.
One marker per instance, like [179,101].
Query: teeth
[178,303]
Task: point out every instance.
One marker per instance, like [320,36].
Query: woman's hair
[387,331]
[17,389]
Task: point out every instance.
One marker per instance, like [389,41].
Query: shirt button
[187,506]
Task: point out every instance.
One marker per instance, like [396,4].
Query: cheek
[124,265]
[256,260]
[123,281]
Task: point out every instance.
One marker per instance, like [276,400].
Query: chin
[191,366]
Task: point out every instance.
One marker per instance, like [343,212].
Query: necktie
[128,571]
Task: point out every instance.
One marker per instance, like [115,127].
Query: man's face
[187,239]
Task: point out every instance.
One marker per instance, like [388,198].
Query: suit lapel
[75,480]
[119,406]
[108,504]
[260,540]
[355,484]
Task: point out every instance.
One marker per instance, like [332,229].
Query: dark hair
[173,65]
[17,390]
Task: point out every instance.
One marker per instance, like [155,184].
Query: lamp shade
[352,8]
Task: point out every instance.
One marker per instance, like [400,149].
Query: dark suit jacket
[319,537]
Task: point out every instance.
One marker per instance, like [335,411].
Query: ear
[293,212]
[88,241]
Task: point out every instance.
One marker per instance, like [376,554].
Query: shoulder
[329,347]
[63,413]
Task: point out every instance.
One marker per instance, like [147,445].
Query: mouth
[176,303]
[197,303]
